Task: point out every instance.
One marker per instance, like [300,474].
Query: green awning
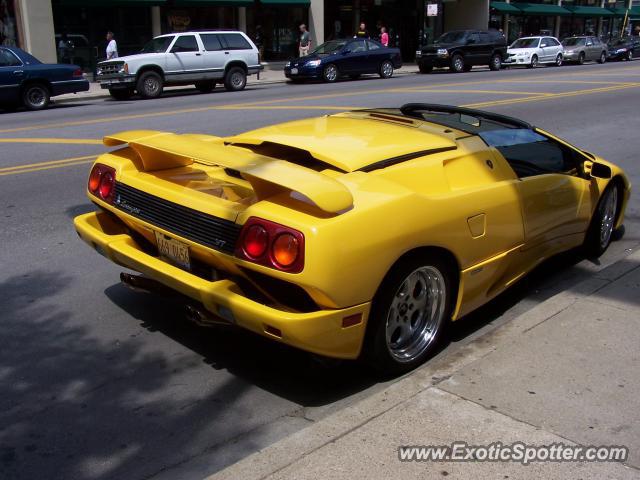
[504,7]
[541,9]
[584,11]
[621,12]
[303,3]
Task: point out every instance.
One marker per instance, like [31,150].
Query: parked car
[460,50]
[533,51]
[624,49]
[348,57]
[584,49]
[25,80]
[359,234]
[199,58]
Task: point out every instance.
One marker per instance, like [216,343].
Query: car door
[554,191]
[485,49]
[590,49]
[377,55]
[472,49]
[548,50]
[354,57]
[236,47]
[11,75]
[185,59]
[214,55]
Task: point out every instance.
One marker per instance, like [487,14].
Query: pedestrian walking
[65,49]
[305,41]
[112,46]
[384,36]
[362,31]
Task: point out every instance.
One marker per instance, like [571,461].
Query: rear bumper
[319,332]
[69,86]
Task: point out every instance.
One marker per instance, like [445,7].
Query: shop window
[211,42]
[185,43]
[235,41]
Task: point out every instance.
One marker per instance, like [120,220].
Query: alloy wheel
[330,73]
[609,209]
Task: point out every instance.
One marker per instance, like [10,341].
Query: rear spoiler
[161,150]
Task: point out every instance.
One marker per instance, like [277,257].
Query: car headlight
[443,52]
[621,50]
[312,63]
[418,53]
[288,64]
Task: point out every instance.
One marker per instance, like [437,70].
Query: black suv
[460,50]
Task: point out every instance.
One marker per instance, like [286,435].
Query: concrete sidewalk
[564,372]
[272,73]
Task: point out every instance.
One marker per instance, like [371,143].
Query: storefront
[9,34]
[584,20]
[276,25]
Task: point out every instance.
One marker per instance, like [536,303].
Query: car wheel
[425,68]
[534,62]
[558,62]
[35,96]
[581,58]
[386,69]
[603,222]
[629,55]
[457,63]
[496,62]
[330,73]
[235,79]
[409,314]
[150,85]
[603,57]
[206,87]
[120,93]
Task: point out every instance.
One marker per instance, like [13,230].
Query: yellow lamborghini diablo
[360,234]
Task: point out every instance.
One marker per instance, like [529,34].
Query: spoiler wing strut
[161,150]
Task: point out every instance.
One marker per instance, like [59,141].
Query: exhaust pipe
[140,283]
[204,318]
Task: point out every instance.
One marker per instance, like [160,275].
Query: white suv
[200,58]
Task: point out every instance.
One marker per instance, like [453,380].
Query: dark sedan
[24,80]
[624,49]
[347,57]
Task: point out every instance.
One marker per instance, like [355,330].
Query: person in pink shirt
[384,36]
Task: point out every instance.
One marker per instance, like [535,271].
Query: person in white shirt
[112,46]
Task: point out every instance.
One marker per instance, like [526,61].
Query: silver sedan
[584,49]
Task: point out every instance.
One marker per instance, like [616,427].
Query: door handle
[18,72]
[226,53]
[198,54]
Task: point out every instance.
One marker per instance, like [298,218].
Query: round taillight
[94,179]
[285,249]
[106,185]
[255,241]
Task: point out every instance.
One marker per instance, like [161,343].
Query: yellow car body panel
[436,188]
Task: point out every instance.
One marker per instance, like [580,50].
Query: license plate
[174,250]
[294,71]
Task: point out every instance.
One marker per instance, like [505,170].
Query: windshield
[157,45]
[330,47]
[525,43]
[452,37]
[573,42]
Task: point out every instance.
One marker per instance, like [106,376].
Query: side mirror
[600,170]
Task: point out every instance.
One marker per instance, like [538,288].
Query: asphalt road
[98,382]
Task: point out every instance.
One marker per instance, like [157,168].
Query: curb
[98,96]
[287,451]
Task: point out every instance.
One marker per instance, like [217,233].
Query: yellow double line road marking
[34,167]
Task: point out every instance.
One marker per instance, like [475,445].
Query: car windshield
[525,43]
[452,37]
[573,42]
[330,47]
[157,45]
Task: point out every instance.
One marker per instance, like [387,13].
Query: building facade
[39,25]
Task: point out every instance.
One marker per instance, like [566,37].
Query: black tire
[558,62]
[601,228]
[235,79]
[457,63]
[206,86]
[36,96]
[384,353]
[603,57]
[150,85]
[120,93]
[386,69]
[581,58]
[534,62]
[629,55]
[330,73]
[425,68]
[496,62]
